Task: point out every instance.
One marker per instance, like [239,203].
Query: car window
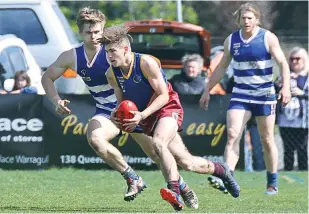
[6,68]
[12,59]
[167,46]
[23,23]
[16,55]
[170,72]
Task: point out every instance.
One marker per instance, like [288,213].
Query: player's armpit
[64,61]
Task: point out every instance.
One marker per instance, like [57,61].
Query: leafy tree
[120,11]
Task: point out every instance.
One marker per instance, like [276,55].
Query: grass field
[70,190]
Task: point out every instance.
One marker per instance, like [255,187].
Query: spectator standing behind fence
[22,84]
[293,118]
[191,80]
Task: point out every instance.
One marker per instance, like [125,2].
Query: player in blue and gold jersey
[140,78]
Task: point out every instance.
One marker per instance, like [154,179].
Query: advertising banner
[204,134]
[33,136]
[21,132]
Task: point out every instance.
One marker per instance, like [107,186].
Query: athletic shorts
[256,109]
[172,109]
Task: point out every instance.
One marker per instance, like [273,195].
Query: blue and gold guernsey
[140,90]
[253,73]
[93,74]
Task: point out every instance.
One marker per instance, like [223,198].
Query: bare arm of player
[221,69]
[152,69]
[276,51]
[111,79]
[53,72]
[217,75]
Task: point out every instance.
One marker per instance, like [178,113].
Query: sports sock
[182,185]
[219,170]
[174,186]
[130,173]
[272,179]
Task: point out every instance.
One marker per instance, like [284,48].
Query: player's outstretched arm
[151,68]
[221,69]
[53,72]
[276,52]
[217,75]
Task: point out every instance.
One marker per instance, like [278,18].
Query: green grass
[70,190]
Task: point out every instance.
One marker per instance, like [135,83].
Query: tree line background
[289,20]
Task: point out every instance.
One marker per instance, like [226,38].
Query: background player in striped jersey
[89,60]
[252,49]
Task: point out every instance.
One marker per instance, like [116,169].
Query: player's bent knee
[96,141]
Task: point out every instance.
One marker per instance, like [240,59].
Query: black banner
[64,142]
[21,132]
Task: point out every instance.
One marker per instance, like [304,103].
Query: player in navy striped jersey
[252,49]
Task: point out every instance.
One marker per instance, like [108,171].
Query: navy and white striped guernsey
[93,74]
[253,68]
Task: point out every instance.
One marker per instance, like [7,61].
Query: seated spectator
[191,80]
[293,118]
[21,85]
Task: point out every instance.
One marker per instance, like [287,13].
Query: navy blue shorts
[256,109]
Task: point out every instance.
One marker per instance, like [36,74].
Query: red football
[124,108]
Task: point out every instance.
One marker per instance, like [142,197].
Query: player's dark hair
[116,34]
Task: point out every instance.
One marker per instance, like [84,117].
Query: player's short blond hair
[248,7]
[116,34]
[89,16]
